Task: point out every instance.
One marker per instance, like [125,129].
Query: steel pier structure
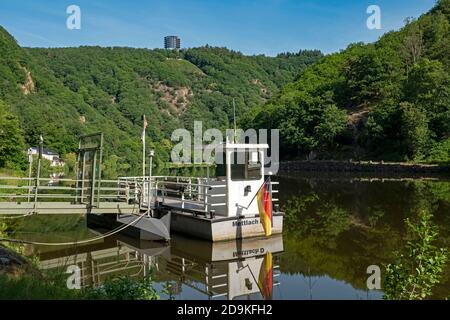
[226,207]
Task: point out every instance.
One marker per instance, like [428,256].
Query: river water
[335,228]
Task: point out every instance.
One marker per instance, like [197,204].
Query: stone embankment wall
[360,166]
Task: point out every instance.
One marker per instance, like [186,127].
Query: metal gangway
[26,196]
[87,193]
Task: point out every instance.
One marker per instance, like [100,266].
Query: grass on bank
[27,287]
[21,279]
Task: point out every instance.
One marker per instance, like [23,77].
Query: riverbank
[363,167]
[20,279]
[12,263]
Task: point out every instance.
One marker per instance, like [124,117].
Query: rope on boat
[16,217]
[108,234]
[256,194]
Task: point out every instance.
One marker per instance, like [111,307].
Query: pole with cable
[144,119]
[30,168]
[152,153]
[41,144]
[234,120]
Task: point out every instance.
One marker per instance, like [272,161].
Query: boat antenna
[234,120]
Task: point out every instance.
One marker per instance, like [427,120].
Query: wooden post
[206,199]
[77,174]
[94,163]
[41,143]
[82,176]
[149,186]
[30,169]
[100,171]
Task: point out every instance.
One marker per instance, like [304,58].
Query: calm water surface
[335,227]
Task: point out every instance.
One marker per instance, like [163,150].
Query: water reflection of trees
[339,228]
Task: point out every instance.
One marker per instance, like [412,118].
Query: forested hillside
[389,100]
[64,93]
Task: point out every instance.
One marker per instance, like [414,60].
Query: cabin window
[246,165]
[221,166]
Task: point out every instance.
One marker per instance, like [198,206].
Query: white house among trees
[48,154]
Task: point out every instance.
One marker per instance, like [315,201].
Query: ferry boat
[238,203]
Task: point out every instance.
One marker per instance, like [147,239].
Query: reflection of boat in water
[230,269]
[110,257]
[226,269]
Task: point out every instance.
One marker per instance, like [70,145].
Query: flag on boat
[265,208]
[265,279]
[145,124]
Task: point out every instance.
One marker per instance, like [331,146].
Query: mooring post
[198,189]
[94,164]
[77,174]
[152,153]
[82,176]
[206,199]
[190,188]
[38,173]
[100,171]
[30,169]
[182,200]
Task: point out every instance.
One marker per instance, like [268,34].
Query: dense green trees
[414,130]
[12,145]
[394,93]
[440,152]
[64,93]
[428,87]
[305,111]
[387,100]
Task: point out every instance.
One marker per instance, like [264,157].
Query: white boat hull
[222,228]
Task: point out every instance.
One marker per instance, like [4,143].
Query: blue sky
[251,26]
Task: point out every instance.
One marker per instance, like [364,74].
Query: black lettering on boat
[247,222]
[249,252]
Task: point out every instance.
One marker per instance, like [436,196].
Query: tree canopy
[386,100]
[12,145]
[63,93]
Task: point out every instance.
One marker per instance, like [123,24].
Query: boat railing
[192,194]
[274,191]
